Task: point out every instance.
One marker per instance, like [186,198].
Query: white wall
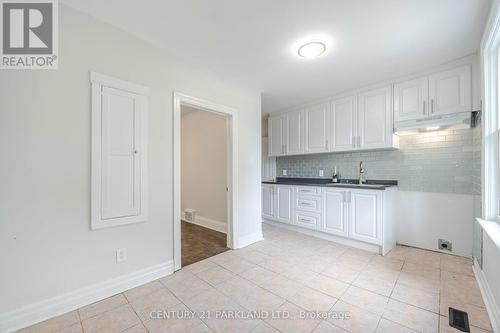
[46,246]
[204,163]
[424,217]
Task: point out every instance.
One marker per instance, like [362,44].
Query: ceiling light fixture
[312,49]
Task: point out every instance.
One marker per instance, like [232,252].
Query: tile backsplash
[443,161]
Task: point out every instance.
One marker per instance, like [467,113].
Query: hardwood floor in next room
[199,243]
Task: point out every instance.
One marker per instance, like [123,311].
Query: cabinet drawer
[309,190]
[308,203]
[307,220]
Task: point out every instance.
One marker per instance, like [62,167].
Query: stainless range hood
[456,120]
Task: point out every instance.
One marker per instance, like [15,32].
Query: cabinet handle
[423,112]
[301,203]
[303,220]
[359,141]
[354,141]
[432,105]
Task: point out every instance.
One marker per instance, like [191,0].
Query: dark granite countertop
[370,184]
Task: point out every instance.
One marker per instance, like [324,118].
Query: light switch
[321,173]
[284,172]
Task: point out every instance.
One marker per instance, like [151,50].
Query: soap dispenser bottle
[335,175]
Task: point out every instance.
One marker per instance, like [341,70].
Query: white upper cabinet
[343,114]
[294,142]
[316,128]
[411,99]
[450,91]
[119,152]
[374,119]
[277,135]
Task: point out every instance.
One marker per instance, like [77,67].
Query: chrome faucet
[361,173]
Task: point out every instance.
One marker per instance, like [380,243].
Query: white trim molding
[231,114]
[243,241]
[61,304]
[490,302]
[208,223]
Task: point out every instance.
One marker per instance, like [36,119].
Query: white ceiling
[250,42]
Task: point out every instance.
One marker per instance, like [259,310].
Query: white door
[294,133]
[343,123]
[365,209]
[121,149]
[316,128]
[284,203]
[450,91]
[277,135]
[374,119]
[268,201]
[411,99]
[334,214]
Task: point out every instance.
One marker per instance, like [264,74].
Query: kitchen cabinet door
[450,91]
[343,123]
[365,215]
[334,213]
[268,201]
[283,197]
[316,128]
[411,99]
[294,142]
[374,119]
[277,135]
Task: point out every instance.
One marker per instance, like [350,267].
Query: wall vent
[444,244]
[189,215]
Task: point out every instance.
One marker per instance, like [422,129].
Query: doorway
[197,236]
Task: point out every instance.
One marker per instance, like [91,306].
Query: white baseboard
[43,310]
[248,239]
[344,241]
[491,305]
[208,223]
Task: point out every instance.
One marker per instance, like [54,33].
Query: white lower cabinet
[268,201]
[365,213]
[356,215]
[284,195]
[334,212]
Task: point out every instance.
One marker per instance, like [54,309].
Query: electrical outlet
[321,173]
[284,172]
[121,255]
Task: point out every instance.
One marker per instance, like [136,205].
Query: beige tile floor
[286,275]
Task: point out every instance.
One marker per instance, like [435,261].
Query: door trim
[180,99]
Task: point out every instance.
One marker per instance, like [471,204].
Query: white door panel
[294,133]
[316,128]
[374,119]
[120,156]
[365,216]
[334,214]
[284,203]
[450,91]
[411,99]
[343,124]
[277,135]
